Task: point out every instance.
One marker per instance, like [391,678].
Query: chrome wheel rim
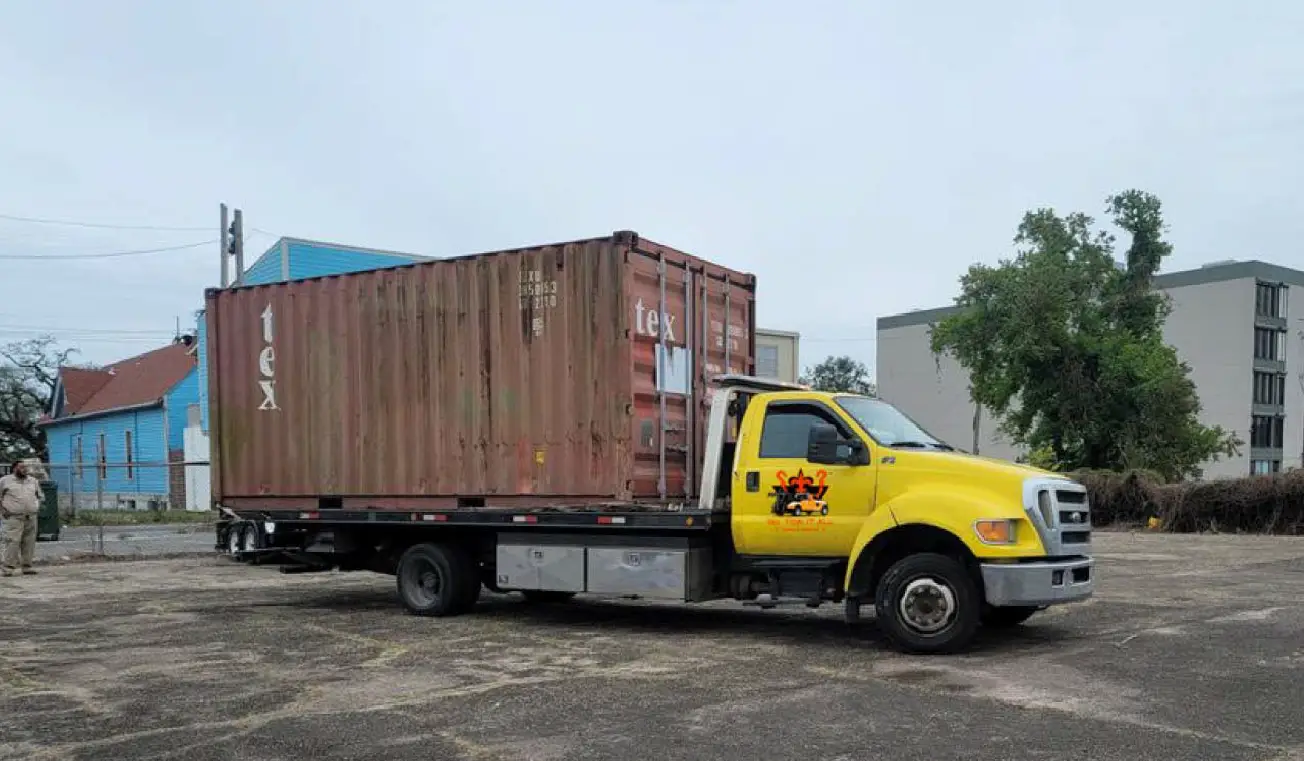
[927,605]
[425,583]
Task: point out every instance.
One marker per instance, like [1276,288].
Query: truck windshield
[888,425]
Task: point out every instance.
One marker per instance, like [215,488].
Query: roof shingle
[133,382]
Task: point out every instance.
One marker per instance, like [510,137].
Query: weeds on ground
[136,517]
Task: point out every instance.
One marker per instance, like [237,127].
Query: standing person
[20,501]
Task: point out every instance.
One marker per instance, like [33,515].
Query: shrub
[1266,504]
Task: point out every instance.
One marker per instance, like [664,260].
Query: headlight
[996,531]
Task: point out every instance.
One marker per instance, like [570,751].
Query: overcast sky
[856,156]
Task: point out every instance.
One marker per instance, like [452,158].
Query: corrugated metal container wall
[539,376]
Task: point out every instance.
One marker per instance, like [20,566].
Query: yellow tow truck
[806,497]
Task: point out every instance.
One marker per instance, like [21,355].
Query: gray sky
[860,153]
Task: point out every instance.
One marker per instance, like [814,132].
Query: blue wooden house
[114,433]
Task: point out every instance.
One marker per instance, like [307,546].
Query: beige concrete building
[1233,323]
[777,355]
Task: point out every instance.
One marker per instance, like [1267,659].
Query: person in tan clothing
[20,501]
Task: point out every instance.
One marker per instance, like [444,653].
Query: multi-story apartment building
[1233,322]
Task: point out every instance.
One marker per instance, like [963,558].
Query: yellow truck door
[784,504]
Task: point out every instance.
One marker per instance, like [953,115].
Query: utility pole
[237,243]
[226,280]
[232,244]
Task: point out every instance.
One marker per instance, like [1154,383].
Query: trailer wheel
[250,538]
[1007,617]
[928,603]
[546,595]
[234,534]
[432,580]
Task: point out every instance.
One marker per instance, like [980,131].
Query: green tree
[1066,345]
[28,372]
[839,374]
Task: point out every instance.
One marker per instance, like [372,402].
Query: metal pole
[237,235]
[99,479]
[689,400]
[226,278]
[661,376]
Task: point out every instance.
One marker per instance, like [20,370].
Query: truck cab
[844,498]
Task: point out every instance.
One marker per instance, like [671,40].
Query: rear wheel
[928,603]
[546,595]
[432,580]
[1007,617]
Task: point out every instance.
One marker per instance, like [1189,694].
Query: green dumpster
[47,520]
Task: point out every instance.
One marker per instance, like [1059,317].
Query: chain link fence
[98,484]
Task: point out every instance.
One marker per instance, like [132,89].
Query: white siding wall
[938,399]
[1293,433]
[1212,329]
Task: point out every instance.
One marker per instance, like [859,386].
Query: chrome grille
[1062,514]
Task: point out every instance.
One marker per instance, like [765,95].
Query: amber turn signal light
[995,531]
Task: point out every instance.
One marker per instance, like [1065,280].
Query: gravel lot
[146,540]
[1192,649]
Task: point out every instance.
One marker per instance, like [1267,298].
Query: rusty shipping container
[565,374]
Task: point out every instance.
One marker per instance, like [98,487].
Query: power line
[114,331]
[86,339]
[74,223]
[111,254]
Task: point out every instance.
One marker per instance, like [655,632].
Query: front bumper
[1039,583]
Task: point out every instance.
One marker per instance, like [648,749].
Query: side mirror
[822,446]
[826,447]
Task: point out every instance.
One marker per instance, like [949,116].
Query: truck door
[783,504]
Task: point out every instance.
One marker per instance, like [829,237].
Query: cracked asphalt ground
[1192,649]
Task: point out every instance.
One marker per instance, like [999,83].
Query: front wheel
[1007,617]
[928,603]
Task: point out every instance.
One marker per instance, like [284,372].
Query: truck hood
[901,470]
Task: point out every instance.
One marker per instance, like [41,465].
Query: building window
[1262,467]
[1269,388]
[1270,300]
[129,458]
[103,460]
[1270,344]
[767,361]
[77,457]
[1266,432]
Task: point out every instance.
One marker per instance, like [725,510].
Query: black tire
[546,595]
[1007,617]
[432,580]
[231,545]
[936,628]
[250,537]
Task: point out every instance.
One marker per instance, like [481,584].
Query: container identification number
[537,293]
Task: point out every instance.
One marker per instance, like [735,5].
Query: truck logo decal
[801,495]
